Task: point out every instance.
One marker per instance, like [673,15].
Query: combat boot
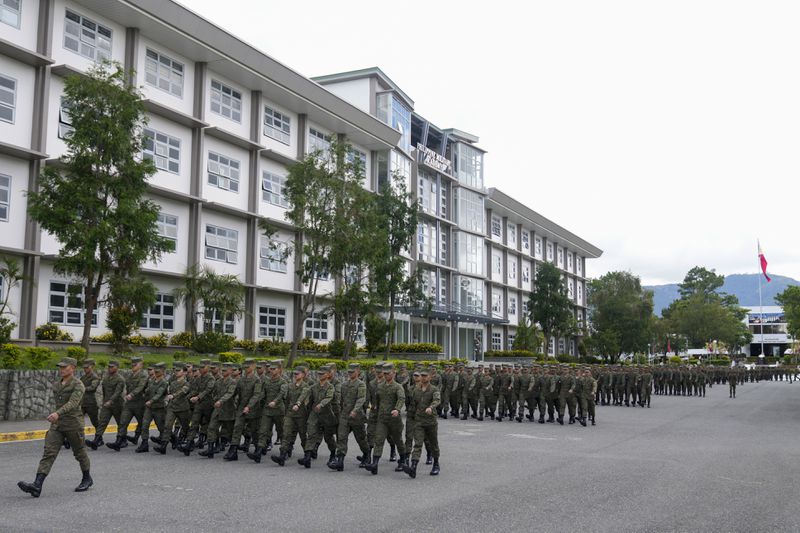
[187,448]
[444,415]
[66,444]
[201,441]
[480,418]
[401,462]
[373,466]
[428,458]
[35,488]
[491,415]
[116,445]
[411,470]
[95,443]
[519,419]
[85,483]
[463,416]
[279,459]
[561,420]
[233,453]
[572,420]
[210,449]
[337,463]
[161,448]
[314,454]
[173,439]
[392,453]
[144,447]
[541,419]
[256,455]
[305,460]
[583,421]
[156,440]
[435,469]
[365,459]
[268,447]
[593,421]
[331,460]
[134,439]
[245,446]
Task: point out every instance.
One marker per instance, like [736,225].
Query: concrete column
[131,55]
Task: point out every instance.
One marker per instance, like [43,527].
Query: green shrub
[245,344]
[566,358]
[39,357]
[180,356]
[11,356]
[6,326]
[231,357]
[719,362]
[675,360]
[51,332]
[105,337]
[308,345]
[213,342]
[273,348]
[415,347]
[76,352]
[314,363]
[514,353]
[159,340]
[184,338]
[336,348]
[137,340]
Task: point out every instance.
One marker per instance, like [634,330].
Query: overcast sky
[665,133]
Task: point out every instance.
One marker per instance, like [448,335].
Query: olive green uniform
[425,425]
[69,426]
[203,388]
[177,409]
[351,419]
[274,391]
[133,408]
[113,387]
[322,421]
[294,422]
[154,393]
[222,418]
[390,397]
[89,403]
[248,392]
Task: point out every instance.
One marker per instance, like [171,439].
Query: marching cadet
[321,419]
[426,398]
[732,379]
[469,395]
[154,406]
[523,389]
[201,395]
[294,422]
[587,394]
[177,408]
[91,381]
[248,394]
[113,387]
[224,414]
[351,418]
[273,389]
[134,405]
[66,422]
[486,394]
[391,399]
[566,398]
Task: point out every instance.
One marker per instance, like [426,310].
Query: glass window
[428,282]
[272,322]
[162,315]
[443,246]
[569,261]
[163,149]
[318,142]
[86,37]
[512,269]
[393,112]
[277,125]
[526,241]
[9,12]
[469,251]
[226,101]
[497,227]
[317,327]
[426,241]
[468,295]
[66,304]
[5,196]
[560,257]
[222,244]
[497,304]
[497,341]
[561,345]
[273,255]
[8,98]
[167,227]
[571,288]
[526,273]
[511,338]
[163,72]
[273,189]
[65,128]
[227,325]
[223,172]
[550,251]
[470,212]
[580,293]
[537,247]
[511,235]
[579,265]
[469,166]
[426,193]
[444,196]
[497,265]
[512,305]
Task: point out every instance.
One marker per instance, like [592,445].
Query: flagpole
[761,307]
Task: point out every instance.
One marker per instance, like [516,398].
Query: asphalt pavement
[686,464]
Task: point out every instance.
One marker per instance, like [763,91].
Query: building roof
[369,72]
[542,224]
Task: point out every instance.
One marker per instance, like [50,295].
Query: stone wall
[26,394]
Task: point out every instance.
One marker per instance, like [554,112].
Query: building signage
[434,160]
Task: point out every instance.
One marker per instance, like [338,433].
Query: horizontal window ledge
[278,157]
[64,70]
[23,55]
[174,115]
[232,138]
[21,152]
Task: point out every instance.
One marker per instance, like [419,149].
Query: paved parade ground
[686,464]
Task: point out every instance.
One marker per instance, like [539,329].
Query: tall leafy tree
[621,314]
[529,337]
[12,276]
[396,222]
[790,300]
[550,306]
[94,201]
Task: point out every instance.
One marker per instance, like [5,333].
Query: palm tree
[191,293]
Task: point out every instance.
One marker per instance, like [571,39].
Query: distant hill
[743,286]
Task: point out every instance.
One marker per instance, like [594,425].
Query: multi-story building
[225,124]
[770,330]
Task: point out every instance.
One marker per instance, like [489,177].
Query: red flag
[763,261]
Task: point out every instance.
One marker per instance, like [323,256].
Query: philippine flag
[763,261]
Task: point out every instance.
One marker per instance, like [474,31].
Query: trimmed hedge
[515,353]
[314,363]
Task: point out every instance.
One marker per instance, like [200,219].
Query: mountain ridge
[743,286]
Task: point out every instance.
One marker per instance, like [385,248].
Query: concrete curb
[21,436]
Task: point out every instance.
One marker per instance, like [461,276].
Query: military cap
[205,362]
[151,366]
[424,372]
[113,362]
[448,365]
[263,364]
[301,368]
[353,367]
[249,361]
[480,366]
[273,365]
[378,365]
[322,372]
[325,368]
[401,365]
[388,367]
[177,365]
[160,365]
[215,364]
[88,362]
[460,365]
[136,359]
[66,361]
[278,362]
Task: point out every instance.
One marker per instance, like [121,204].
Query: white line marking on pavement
[523,436]
[464,433]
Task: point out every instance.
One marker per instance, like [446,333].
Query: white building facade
[226,122]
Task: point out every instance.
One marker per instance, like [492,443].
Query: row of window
[496,229]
